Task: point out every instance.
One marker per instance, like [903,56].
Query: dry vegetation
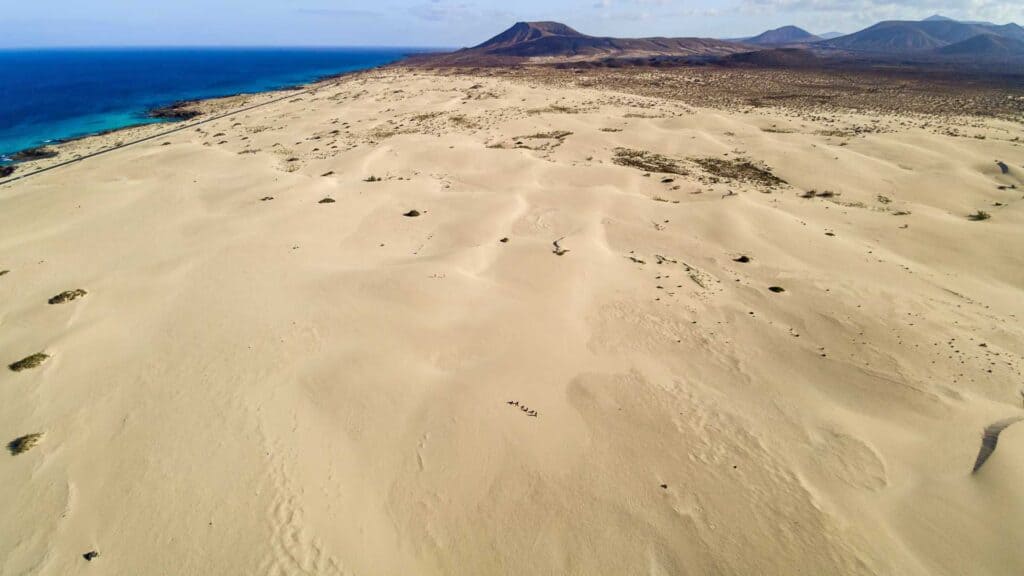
[29,362]
[739,169]
[805,90]
[23,444]
[647,161]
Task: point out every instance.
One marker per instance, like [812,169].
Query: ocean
[54,94]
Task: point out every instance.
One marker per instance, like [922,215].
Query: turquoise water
[48,95]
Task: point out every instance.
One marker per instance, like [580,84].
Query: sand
[256,382]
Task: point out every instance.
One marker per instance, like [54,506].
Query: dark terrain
[933,46]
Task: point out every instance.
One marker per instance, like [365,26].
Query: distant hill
[773,58]
[831,35]
[556,42]
[985,45]
[784,35]
[900,36]
[934,41]
[941,18]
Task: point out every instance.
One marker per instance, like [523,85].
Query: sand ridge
[254,381]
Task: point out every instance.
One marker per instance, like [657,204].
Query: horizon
[444,24]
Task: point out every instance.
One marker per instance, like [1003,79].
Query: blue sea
[54,94]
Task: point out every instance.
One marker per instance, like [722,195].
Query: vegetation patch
[739,169]
[554,109]
[23,444]
[28,363]
[67,296]
[462,121]
[555,135]
[647,161]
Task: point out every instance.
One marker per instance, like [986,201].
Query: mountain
[784,35]
[985,45]
[786,57]
[941,18]
[831,35]
[526,32]
[929,42]
[554,42]
[903,36]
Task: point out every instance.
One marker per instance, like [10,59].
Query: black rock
[176,111]
[6,171]
[90,555]
[39,153]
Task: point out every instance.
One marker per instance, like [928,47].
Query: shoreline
[413,60]
[179,125]
[7,158]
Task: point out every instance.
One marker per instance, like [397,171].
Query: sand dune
[255,382]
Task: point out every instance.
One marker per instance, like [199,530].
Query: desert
[447,319]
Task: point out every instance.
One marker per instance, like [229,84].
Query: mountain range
[937,35]
[553,40]
[935,39]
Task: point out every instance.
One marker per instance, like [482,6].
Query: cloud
[337,12]
[438,11]
[641,10]
[458,12]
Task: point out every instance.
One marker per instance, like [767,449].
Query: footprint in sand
[523,408]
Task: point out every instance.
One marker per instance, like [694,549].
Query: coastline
[163,113]
[172,114]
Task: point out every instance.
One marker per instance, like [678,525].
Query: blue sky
[442,22]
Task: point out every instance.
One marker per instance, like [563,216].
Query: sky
[442,23]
